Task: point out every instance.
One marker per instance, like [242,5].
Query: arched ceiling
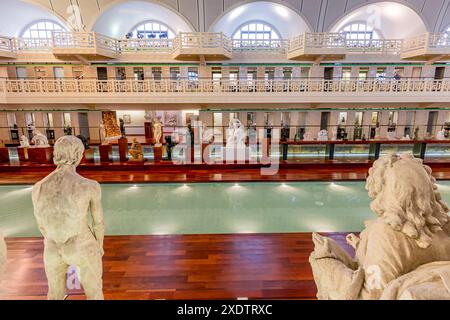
[321,15]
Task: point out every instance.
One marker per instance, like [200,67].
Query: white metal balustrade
[44,86]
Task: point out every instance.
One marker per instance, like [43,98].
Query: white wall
[393,20]
[16,15]
[285,20]
[118,20]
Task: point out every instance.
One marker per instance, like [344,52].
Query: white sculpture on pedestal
[3,254]
[322,135]
[391,135]
[24,142]
[64,203]
[308,137]
[157,131]
[236,134]
[103,140]
[39,140]
[405,253]
[441,135]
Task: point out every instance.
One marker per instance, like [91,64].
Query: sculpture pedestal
[203,155]
[236,155]
[123,149]
[4,155]
[23,153]
[189,156]
[105,152]
[148,126]
[41,155]
[157,153]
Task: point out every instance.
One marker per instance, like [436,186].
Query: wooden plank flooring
[258,266]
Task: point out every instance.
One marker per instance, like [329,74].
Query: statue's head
[405,196]
[68,151]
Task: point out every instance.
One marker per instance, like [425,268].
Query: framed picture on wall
[127,118]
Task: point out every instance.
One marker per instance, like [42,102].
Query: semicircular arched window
[256,31]
[151,30]
[42,30]
[360,31]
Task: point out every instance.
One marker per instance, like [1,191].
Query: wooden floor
[263,266]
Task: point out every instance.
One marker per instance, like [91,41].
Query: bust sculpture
[136,151]
[404,253]
[2,256]
[64,204]
[322,135]
[157,131]
[39,140]
[236,134]
[24,142]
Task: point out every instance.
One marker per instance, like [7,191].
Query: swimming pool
[213,208]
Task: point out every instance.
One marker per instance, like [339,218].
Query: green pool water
[209,208]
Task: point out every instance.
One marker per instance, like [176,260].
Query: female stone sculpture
[236,134]
[397,252]
[64,203]
[103,139]
[157,131]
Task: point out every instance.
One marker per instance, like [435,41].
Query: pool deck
[254,266]
[11,174]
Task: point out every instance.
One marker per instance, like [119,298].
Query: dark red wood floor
[261,266]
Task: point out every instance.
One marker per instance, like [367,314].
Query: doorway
[324,120]
[102,73]
[432,122]
[83,123]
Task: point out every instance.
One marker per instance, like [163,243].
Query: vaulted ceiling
[321,15]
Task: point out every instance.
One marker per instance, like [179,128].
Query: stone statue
[441,135]
[3,254]
[391,135]
[136,151]
[308,137]
[322,135]
[103,139]
[64,204]
[406,138]
[24,142]
[39,140]
[157,131]
[236,134]
[122,127]
[404,253]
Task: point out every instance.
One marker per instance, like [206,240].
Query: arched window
[42,30]
[256,31]
[360,31]
[151,30]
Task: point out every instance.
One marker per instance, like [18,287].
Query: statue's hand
[353,240]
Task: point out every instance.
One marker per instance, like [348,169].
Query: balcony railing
[295,86]
[278,45]
[202,40]
[146,46]
[325,41]
[7,44]
[84,40]
[330,43]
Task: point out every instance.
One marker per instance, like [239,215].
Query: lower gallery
[217,151]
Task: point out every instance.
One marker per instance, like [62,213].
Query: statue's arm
[97,215]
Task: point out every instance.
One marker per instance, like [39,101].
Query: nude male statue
[63,204]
